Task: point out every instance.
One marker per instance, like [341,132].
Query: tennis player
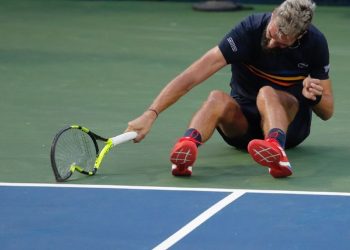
[280,75]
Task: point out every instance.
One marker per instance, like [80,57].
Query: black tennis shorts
[298,130]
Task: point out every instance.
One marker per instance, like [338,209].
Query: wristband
[312,102]
[155,111]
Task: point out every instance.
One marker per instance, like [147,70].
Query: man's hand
[142,125]
[312,88]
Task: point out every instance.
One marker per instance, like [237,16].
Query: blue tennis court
[49,216]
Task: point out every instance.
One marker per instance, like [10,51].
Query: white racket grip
[128,136]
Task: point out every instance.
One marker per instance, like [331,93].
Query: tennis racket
[75,148]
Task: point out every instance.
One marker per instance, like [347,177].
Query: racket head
[74,148]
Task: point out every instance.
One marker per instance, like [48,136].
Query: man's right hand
[142,124]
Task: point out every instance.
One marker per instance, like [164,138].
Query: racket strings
[75,148]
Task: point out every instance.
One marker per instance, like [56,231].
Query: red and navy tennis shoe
[183,156]
[270,154]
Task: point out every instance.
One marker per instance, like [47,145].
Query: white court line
[188,228]
[234,194]
[228,190]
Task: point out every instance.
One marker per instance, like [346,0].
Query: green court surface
[101,63]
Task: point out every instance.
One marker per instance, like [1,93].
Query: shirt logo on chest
[303,65]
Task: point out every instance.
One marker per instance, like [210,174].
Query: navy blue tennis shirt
[252,67]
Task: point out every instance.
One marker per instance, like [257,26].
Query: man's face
[273,41]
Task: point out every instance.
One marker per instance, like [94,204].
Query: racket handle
[128,136]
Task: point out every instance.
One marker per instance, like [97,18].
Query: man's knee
[266,92]
[222,104]
[219,100]
[269,94]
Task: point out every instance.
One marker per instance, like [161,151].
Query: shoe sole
[184,156]
[269,157]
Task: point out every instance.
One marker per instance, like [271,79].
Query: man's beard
[265,41]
